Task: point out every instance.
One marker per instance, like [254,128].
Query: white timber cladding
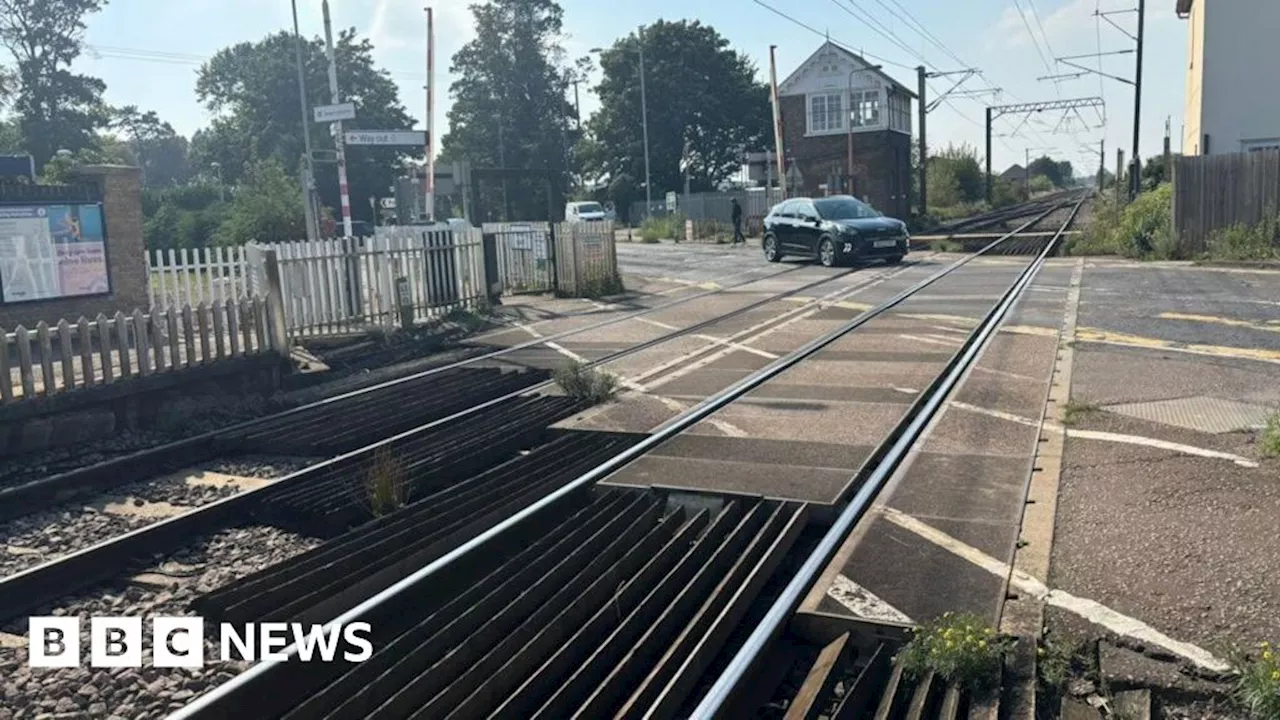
[841,89]
[1232,54]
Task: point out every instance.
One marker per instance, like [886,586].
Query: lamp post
[644,122]
[850,116]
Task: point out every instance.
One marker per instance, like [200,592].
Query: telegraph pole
[921,78]
[644,122]
[1135,182]
[988,173]
[308,176]
[338,141]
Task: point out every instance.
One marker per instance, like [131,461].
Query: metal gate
[525,257]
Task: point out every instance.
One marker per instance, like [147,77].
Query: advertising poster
[52,251]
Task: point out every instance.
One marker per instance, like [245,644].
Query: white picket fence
[59,358]
[334,286]
[200,275]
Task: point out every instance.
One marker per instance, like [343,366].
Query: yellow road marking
[1105,337]
[1270,325]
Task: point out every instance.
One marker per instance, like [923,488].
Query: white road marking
[906,391]
[714,340]
[1110,437]
[1090,610]
[864,603]
[929,340]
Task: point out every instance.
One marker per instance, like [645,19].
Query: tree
[57,108]
[510,106]
[701,96]
[268,208]
[157,149]
[1060,174]
[253,89]
[962,164]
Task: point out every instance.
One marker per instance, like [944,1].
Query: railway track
[575,599]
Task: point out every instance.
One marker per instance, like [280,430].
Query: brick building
[818,127]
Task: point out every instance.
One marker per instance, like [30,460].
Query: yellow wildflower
[1267,655]
[950,644]
[982,645]
[1275,675]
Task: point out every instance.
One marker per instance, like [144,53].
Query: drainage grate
[1205,414]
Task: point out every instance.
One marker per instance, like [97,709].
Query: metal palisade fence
[569,258]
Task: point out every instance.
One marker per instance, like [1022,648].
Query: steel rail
[716,701]
[35,586]
[257,679]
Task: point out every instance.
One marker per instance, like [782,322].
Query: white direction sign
[333,113]
[385,137]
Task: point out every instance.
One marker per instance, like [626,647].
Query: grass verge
[1269,442]
[1258,688]
[1076,410]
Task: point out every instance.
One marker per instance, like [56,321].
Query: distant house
[1015,173]
[836,98]
[1232,55]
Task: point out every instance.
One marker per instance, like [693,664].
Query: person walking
[738,237]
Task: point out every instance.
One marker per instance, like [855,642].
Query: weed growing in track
[1258,689]
[961,649]
[387,486]
[586,384]
[1075,410]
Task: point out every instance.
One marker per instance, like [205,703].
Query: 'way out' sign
[385,137]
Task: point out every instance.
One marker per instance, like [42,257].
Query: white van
[583,212]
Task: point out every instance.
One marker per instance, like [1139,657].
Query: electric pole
[644,122]
[1135,183]
[430,179]
[308,175]
[336,128]
[921,78]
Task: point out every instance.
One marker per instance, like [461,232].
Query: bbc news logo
[179,642]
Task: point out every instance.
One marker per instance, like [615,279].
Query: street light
[850,114]
[644,123]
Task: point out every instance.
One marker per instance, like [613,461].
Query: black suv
[834,230]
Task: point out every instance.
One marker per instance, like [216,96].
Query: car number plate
[885,243]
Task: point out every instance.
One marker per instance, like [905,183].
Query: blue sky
[148,52]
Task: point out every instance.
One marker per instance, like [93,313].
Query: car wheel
[827,252]
[771,249]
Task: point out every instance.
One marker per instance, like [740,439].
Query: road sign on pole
[335,113]
[386,137]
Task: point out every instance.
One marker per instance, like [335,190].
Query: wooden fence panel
[40,362]
[1218,191]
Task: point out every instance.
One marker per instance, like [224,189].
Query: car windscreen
[590,208]
[844,209]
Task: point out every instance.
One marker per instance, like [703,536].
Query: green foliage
[603,286]
[56,108]
[961,649]
[387,485]
[586,384]
[663,227]
[1269,441]
[510,102]
[1041,184]
[1058,662]
[1142,229]
[1005,193]
[1247,242]
[715,112]
[267,207]
[1077,409]
[61,169]
[1059,174]
[252,88]
[10,137]
[1258,687]
[160,152]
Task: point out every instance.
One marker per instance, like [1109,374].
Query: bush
[1258,688]
[602,286]
[665,227]
[1142,229]
[1247,242]
[586,384]
[961,649]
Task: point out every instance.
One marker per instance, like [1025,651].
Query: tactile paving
[1202,413]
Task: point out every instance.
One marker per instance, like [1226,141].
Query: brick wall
[126,257]
[881,160]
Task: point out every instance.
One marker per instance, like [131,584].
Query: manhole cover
[1205,414]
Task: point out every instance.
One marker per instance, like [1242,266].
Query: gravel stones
[145,693]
